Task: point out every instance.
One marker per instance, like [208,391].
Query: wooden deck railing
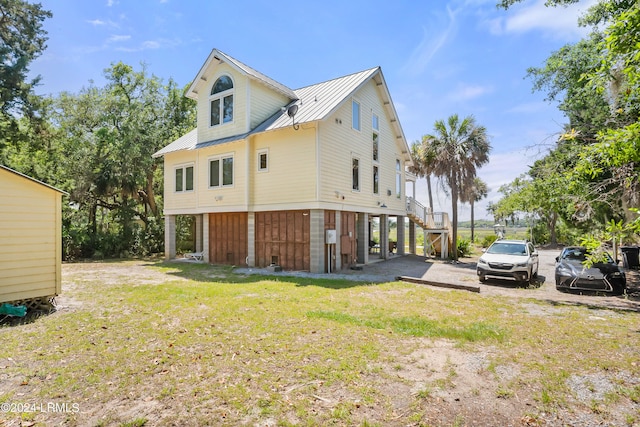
[427,219]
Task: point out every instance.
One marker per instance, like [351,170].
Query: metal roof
[221,57]
[187,141]
[315,103]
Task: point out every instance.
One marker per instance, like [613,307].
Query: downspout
[318,163]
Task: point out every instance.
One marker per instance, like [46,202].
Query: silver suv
[509,259]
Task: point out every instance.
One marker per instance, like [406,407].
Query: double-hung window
[184,178]
[221,101]
[221,171]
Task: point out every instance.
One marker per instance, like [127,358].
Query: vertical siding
[283,236]
[228,238]
[348,239]
[30,238]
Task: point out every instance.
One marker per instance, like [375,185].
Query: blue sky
[438,57]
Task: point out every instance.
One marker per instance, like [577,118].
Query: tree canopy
[592,175]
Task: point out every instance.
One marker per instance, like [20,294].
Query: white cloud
[465,92]
[116,38]
[432,41]
[557,22]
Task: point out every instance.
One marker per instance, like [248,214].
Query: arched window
[221,101]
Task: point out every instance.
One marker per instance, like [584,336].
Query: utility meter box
[330,237]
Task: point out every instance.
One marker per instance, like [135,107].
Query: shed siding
[30,222]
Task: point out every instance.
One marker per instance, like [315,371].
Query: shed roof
[32,179]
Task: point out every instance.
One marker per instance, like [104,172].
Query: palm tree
[457,148]
[421,166]
[477,191]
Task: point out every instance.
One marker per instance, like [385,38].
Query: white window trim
[353,100]
[373,184]
[377,132]
[221,157]
[184,167]
[398,167]
[261,152]
[354,157]
[221,96]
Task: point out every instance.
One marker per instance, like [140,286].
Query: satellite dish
[291,111]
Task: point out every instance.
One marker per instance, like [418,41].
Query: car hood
[511,259]
[597,271]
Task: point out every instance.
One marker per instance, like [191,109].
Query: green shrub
[488,240]
[464,247]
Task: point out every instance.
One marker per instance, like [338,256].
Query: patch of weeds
[138,422]
[596,407]
[265,406]
[632,393]
[458,421]
[343,411]
[503,393]
[425,393]
[630,419]
[419,327]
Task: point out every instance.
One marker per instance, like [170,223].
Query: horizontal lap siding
[228,238]
[29,238]
[239,123]
[285,235]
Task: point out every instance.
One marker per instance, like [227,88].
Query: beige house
[275,176]
[30,236]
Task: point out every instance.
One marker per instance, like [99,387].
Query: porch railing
[427,219]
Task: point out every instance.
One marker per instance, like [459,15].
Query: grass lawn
[149,343]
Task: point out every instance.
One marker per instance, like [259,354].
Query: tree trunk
[151,197]
[428,176]
[454,218]
[552,228]
[472,203]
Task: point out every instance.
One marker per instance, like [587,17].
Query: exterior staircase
[436,227]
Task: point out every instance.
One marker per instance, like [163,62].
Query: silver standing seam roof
[315,103]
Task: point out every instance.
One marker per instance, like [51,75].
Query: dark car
[572,274]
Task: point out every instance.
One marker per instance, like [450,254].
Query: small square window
[263,161]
